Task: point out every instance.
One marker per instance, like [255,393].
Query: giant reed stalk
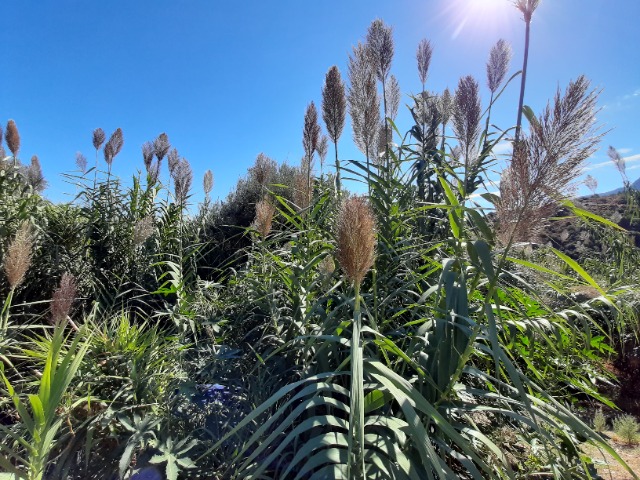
[356,237]
[526,7]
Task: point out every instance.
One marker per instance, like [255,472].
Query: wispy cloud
[623,101]
[609,163]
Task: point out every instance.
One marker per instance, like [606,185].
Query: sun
[480,16]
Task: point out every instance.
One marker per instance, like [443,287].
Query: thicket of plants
[296,330]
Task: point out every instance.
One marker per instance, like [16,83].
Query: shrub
[627,428]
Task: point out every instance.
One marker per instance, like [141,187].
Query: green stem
[356,410]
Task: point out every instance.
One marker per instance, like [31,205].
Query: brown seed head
[265,211]
[498,64]
[98,138]
[18,257]
[13,138]
[423,55]
[302,191]
[356,237]
[311,131]
[161,146]
[334,103]
[63,298]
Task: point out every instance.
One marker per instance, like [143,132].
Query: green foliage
[599,421]
[627,428]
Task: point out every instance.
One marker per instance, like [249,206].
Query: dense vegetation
[295,330]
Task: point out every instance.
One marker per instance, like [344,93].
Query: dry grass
[608,468]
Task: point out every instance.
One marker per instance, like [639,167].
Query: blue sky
[228,80]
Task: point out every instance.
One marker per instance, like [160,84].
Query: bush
[627,428]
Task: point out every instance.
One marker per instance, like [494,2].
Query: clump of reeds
[18,257]
[63,298]
[356,238]
[265,210]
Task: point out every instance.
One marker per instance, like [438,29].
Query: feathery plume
[161,146]
[302,190]
[334,104]
[392,91]
[618,161]
[423,56]
[264,170]
[466,116]
[334,110]
[147,155]
[174,161]
[310,134]
[498,64]
[12,137]
[380,40]
[591,183]
[34,176]
[182,179]
[142,230]
[63,298]
[364,103]
[322,148]
[207,182]
[265,211]
[526,7]
[154,172]
[113,146]
[98,138]
[3,154]
[546,162]
[356,238]
[81,162]
[18,257]
[446,104]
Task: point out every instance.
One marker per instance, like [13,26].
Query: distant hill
[635,185]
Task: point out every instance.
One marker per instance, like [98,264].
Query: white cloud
[609,163]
